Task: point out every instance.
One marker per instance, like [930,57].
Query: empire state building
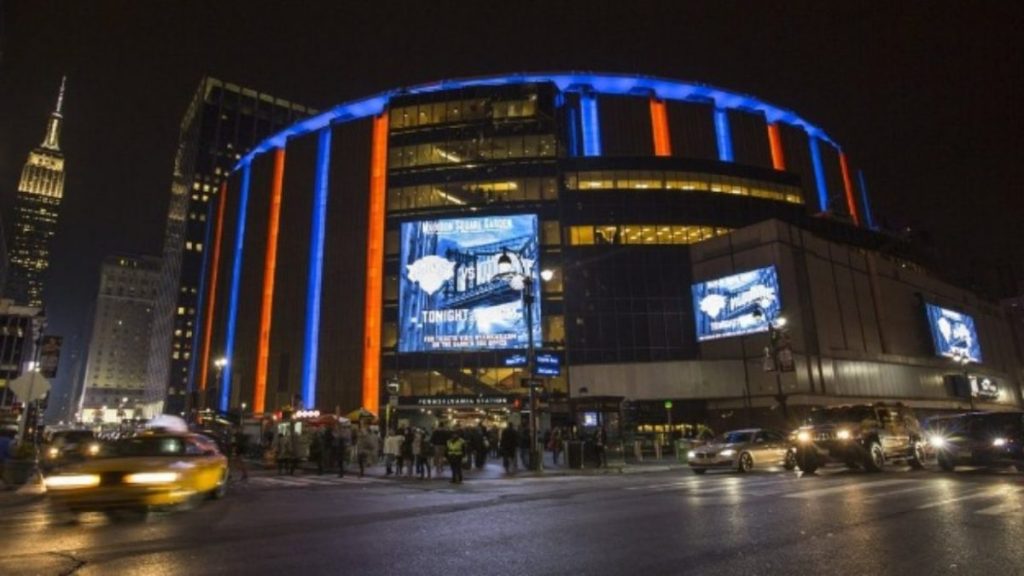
[36,208]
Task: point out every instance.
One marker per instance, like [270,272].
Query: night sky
[925,97]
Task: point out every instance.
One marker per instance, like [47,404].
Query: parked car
[742,450]
[861,435]
[978,439]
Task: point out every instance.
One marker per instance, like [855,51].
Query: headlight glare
[937,441]
[843,435]
[727,453]
[691,454]
[69,481]
[803,436]
[94,449]
[53,452]
[151,478]
[999,442]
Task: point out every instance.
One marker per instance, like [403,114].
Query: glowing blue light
[591,124]
[574,146]
[613,84]
[316,269]
[819,173]
[723,135]
[236,273]
[864,198]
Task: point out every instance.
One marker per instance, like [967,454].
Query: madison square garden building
[401,239]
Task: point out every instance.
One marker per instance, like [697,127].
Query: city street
[665,522]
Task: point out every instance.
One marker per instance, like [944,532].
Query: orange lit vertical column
[659,128]
[211,298]
[269,265]
[775,143]
[848,188]
[375,265]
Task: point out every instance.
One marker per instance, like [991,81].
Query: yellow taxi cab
[149,470]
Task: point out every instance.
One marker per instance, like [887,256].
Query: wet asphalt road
[836,522]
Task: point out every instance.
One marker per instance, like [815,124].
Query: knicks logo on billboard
[430,273]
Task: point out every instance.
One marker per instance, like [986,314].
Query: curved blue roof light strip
[311,350]
[819,173]
[613,84]
[236,269]
[723,136]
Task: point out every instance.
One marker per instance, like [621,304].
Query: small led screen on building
[461,282]
[953,333]
[736,305]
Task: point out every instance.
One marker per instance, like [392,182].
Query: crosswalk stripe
[866,486]
[983,493]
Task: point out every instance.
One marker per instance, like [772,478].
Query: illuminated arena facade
[387,240]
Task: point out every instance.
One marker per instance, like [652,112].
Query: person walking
[366,448]
[327,448]
[555,445]
[420,449]
[482,446]
[405,455]
[343,441]
[456,449]
[439,440]
[600,442]
[508,444]
[524,446]
[286,449]
[392,450]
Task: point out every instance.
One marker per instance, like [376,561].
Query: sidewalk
[493,470]
[31,491]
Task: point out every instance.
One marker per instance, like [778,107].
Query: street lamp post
[219,364]
[774,335]
[523,280]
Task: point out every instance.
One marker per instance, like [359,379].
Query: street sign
[547,364]
[532,382]
[668,404]
[30,387]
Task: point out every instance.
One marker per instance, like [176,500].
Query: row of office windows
[642,234]
[457,111]
[471,193]
[695,181]
[475,150]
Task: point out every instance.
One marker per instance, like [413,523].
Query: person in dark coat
[509,443]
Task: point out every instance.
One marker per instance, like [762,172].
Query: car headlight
[727,453]
[843,434]
[93,449]
[151,478]
[691,454]
[71,481]
[999,442]
[53,452]
[803,436]
[937,441]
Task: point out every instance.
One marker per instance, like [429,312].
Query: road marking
[983,493]
[866,486]
[880,495]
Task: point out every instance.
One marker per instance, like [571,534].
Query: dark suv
[862,435]
[978,439]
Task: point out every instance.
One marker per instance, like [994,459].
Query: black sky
[925,97]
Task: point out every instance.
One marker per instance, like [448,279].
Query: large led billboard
[953,333]
[460,283]
[737,304]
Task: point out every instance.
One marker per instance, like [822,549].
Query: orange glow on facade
[375,265]
[212,294]
[659,126]
[775,142]
[269,266]
[851,203]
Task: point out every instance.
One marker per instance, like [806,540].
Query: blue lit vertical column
[590,124]
[316,269]
[197,324]
[819,172]
[236,273]
[868,217]
[722,135]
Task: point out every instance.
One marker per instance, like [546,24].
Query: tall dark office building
[36,208]
[222,123]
